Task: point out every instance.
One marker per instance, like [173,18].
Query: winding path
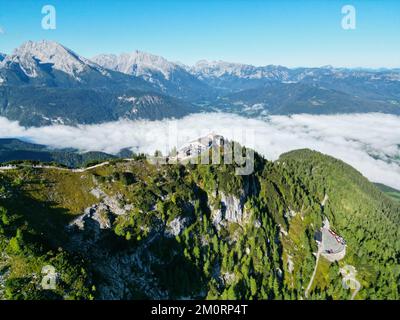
[314,272]
[33,166]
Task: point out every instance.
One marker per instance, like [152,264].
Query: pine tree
[253,287]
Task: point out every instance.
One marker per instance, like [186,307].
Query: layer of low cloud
[368,142]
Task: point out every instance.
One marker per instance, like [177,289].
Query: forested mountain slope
[41,106]
[133,230]
[16,151]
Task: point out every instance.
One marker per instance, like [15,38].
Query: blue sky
[291,33]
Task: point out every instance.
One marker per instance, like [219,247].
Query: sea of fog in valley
[368,142]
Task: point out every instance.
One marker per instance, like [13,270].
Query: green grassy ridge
[239,261]
[391,192]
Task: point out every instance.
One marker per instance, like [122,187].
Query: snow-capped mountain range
[31,56]
[48,63]
[51,74]
[216,69]
[170,77]
[35,59]
[137,63]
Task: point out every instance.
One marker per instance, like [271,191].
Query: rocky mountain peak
[31,55]
[137,63]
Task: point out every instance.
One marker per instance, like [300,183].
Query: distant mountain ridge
[34,57]
[170,77]
[29,54]
[40,106]
[12,150]
[48,63]
[44,82]
[292,98]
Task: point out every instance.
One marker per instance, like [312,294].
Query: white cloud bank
[366,141]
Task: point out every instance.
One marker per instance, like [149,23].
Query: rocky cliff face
[124,272]
[176,226]
[231,210]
